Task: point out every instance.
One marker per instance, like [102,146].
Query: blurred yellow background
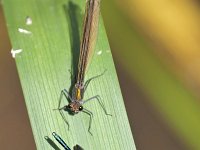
[173,28]
[157,44]
[156,49]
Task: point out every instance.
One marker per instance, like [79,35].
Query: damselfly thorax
[77,99]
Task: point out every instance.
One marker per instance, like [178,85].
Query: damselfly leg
[98,98]
[68,97]
[88,81]
[91,116]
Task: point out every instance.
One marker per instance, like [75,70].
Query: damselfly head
[74,107]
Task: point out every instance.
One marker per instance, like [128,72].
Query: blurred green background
[155,45]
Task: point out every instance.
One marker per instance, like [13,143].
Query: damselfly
[90,28]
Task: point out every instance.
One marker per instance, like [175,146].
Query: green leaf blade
[43,70]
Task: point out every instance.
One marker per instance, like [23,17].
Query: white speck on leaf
[28,20]
[99,52]
[24,31]
[14,52]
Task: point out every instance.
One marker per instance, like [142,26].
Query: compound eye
[80,108]
[69,106]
